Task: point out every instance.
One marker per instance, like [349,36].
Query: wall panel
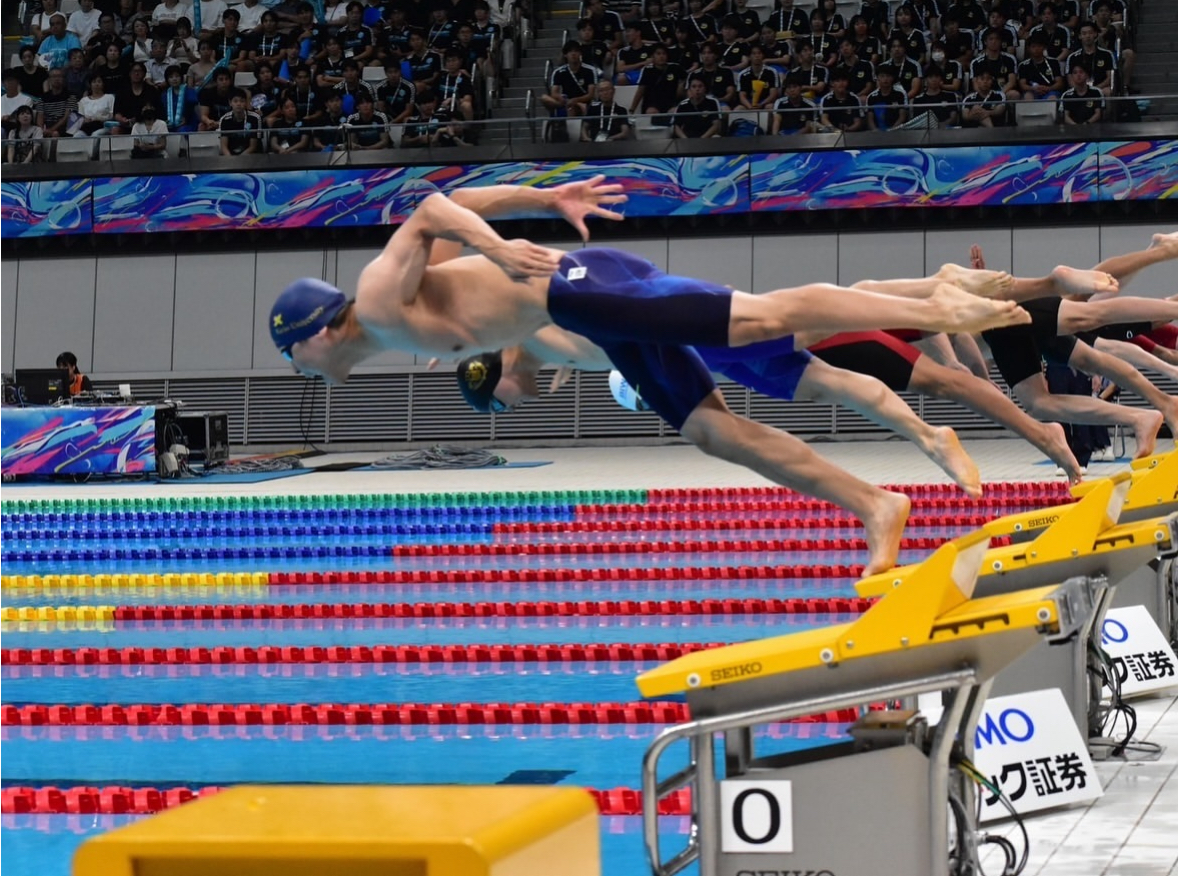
[133,311]
[214,324]
[781,260]
[880,255]
[725,260]
[275,271]
[1036,251]
[1158,280]
[55,312]
[954,246]
[8,284]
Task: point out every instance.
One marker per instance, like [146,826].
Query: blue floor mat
[212,478]
[527,464]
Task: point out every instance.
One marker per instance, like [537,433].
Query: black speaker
[207,435]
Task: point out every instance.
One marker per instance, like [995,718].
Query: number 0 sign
[756,816]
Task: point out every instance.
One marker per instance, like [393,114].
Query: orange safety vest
[76,384]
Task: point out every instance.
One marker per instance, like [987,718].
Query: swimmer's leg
[871,399]
[785,460]
[1163,247]
[1081,316]
[1091,361]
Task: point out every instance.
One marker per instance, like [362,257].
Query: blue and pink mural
[47,441]
[961,176]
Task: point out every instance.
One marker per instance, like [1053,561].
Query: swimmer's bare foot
[987,284]
[947,452]
[958,311]
[1055,445]
[1146,432]
[1070,281]
[1167,242]
[1171,415]
[882,531]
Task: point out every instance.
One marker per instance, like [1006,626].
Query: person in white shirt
[150,135]
[24,141]
[84,21]
[251,12]
[12,100]
[168,11]
[96,108]
[39,24]
[211,13]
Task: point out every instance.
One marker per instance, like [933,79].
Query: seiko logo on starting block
[1040,522]
[731,672]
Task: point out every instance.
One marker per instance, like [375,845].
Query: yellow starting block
[1153,490]
[928,634]
[276,830]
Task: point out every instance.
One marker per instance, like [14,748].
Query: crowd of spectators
[269,75]
[719,69]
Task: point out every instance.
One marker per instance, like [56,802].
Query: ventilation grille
[599,416]
[438,412]
[215,395]
[370,407]
[286,410]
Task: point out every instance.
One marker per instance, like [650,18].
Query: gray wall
[167,316]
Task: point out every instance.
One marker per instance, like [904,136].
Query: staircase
[545,46]
[1154,73]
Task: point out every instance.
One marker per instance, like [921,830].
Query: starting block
[776,813]
[1083,541]
[361,830]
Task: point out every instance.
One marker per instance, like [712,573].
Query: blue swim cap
[302,309]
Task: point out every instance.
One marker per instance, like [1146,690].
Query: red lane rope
[626,653]
[1016,488]
[586,608]
[757,545]
[972,521]
[380,714]
[118,800]
[554,576]
[959,505]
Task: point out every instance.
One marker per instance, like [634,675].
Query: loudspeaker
[207,435]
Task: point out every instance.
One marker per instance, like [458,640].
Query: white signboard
[1141,655]
[1028,746]
[756,816]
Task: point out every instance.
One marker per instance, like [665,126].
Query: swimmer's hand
[976,258]
[521,259]
[576,200]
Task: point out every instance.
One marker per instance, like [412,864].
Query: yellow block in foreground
[358,830]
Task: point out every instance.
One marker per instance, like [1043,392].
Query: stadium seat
[14,61]
[204,144]
[68,7]
[116,147]
[373,74]
[244,80]
[624,94]
[645,130]
[1030,113]
[75,148]
[396,132]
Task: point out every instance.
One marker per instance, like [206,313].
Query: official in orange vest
[79,382]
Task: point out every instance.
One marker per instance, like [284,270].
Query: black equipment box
[206,433]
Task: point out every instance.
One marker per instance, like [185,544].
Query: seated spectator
[950,68]
[684,52]
[866,43]
[455,90]
[836,23]
[779,54]
[657,27]
[392,40]
[157,67]
[182,46]
[106,34]
[474,57]
[440,35]
[97,108]
[1057,37]
[201,72]
[214,100]
[1002,67]
[177,101]
[356,39]
[13,100]
[1008,37]
[698,116]
[23,141]
[212,14]
[166,14]
[1022,15]
[368,129]
[733,52]
[749,22]
[571,86]
[54,50]
[432,125]
[861,76]
[140,43]
[840,109]
[329,134]
[875,13]
[265,92]
[888,107]
[701,26]
[942,104]
[113,67]
[1107,38]
[240,128]
[396,96]
[812,76]
[425,67]
[1099,64]
[1039,76]
[605,119]
[986,106]
[289,134]
[758,86]
[793,113]
[150,134]
[788,20]
[266,44]
[907,32]
[77,74]
[83,21]
[607,24]
[79,382]
[824,46]
[29,73]
[969,14]
[906,73]
[719,82]
[57,106]
[39,22]
[959,42]
[351,86]
[632,57]
[1081,104]
[131,98]
[231,45]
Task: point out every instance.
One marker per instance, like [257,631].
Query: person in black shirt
[240,128]
[698,116]
[701,26]
[1081,104]
[750,21]
[811,75]
[231,45]
[1039,77]
[959,42]
[308,101]
[661,85]
[719,82]
[794,114]
[607,25]
[942,104]
[861,77]
[440,34]
[985,107]
[265,93]
[367,128]
[779,53]
[759,85]
[825,46]
[887,106]
[1003,68]
[330,133]
[130,99]
[425,66]
[571,87]
[1098,62]
[657,28]
[685,51]
[455,91]
[289,134]
[396,96]
[352,86]
[632,57]
[867,43]
[432,125]
[840,109]
[106,34]
[950,68]
[905,72]
[969,15]
[1058,37]
[733,53]
[393,39]
[1008,38]
[266,43]
[593,51]
[788,20]
[907,31]
[605,119]
[877,14]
